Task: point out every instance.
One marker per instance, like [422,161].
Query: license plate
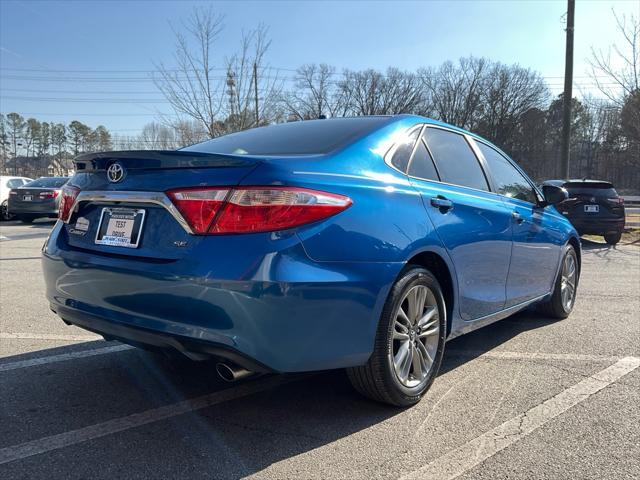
[120,227]
[592,208]
[27,198]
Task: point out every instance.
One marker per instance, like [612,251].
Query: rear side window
[402,155]
[509,181]
[48,182]
[422,164]
[456,162]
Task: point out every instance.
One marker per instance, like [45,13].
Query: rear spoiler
[159,159]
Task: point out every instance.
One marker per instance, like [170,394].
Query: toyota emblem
[115,172]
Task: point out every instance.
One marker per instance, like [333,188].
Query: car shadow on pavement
[228,440]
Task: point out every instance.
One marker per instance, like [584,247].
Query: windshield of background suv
[47,182]
[295,138]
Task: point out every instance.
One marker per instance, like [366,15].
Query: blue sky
[62,43]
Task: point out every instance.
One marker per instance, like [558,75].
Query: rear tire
[26,218]
[560,305]
[409,345]
[612,238]
[4,211]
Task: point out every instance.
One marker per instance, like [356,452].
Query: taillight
[616,200]
[254,209]
[67,199]
[52,194]
[198,206]
[13,192]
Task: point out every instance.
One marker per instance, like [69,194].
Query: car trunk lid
[143,178]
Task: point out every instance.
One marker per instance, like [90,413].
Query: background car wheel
[564,293]
[409,342]
[612,237]
[4,211]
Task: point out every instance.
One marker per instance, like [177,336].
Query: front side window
[509,181]
[456,162]
[14,183]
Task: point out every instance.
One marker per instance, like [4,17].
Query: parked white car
[6,184]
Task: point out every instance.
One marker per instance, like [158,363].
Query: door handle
[441,203]
[517,217]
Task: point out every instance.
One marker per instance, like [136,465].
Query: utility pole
[568,95]
[255,90]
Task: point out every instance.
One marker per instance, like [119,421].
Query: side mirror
[554,195]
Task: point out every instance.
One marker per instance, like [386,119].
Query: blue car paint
[308,298]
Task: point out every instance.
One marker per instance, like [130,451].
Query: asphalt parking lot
[523,398]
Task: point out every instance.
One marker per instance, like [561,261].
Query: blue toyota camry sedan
[361,243]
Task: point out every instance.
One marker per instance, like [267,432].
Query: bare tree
[253,88]
[192,88]
[510,91]
[219,103]
[616,72]
[189,132]
[314,94]
[157,137]
[454,92]
[369,92]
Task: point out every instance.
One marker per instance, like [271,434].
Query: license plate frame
[128,234]
[27,198]
[592,208]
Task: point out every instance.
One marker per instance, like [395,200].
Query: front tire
[563,298]
[612,238]
[409,342]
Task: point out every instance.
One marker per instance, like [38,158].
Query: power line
[86,100]
[284,69]
[89,92]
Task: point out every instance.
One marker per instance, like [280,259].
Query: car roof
[585,181]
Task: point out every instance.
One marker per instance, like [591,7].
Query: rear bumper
[46,209]
[598,226]
[270,311]
[141,337]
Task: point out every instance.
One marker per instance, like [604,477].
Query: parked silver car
[6,184]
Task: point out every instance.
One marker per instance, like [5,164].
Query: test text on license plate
[120,227]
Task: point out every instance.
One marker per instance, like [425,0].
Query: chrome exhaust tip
[231,373]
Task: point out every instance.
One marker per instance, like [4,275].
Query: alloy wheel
[568,282]
[416,332]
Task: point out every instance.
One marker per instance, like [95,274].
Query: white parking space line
[504,355]
[49,336]
[476,451]
[73,437]
[4,367]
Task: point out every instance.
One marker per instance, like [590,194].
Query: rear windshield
[47,182]
[596,189]
[294,138]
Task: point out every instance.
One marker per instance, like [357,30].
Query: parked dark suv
[594,207]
